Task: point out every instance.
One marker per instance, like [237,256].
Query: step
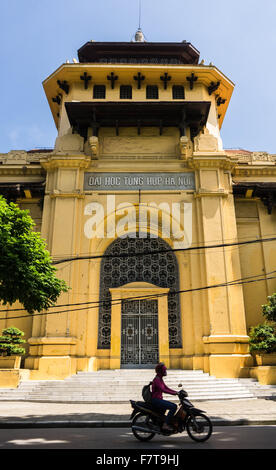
[121,385]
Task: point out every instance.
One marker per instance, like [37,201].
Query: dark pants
[165,405]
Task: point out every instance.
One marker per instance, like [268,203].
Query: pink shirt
[158,386]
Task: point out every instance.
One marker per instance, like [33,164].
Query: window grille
[152,92]
[99,91]
[178,92]
[125,92]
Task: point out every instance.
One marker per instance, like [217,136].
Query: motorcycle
[147,420]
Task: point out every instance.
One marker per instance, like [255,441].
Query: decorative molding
[165,79]
[192,79]
[64,85]
[86,79]
[211,161]
[253,171]
[112,78]
[21,171]
[208,193]
[252,158]
[52,340]
[186,147]
[94,146]
[18,157]
[213,87]
[57,194]
[139,78]
[58,161]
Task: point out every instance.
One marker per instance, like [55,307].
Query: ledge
[52,340]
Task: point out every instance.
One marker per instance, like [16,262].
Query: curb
[17,424]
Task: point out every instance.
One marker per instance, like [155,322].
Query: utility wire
[56,257]
[169,250]
[98,302]
[144,297]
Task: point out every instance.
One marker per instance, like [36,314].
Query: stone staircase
[119,386]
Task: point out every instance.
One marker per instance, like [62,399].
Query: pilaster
[227,342]
[53,347]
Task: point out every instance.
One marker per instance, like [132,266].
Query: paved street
[224,437]
[30,414]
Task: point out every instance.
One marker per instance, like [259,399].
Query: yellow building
[136,189]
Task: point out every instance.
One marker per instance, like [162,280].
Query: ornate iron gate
[139,338]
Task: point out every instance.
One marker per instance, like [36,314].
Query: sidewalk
[41,415]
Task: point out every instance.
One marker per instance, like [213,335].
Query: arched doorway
[159,269]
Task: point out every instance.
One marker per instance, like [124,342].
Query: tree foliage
[262,338]
[9,341]
[26,271]
[269,309]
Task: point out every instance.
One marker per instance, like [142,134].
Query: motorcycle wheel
[142,420]
[199,427]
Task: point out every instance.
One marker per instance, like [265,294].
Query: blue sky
[37,36]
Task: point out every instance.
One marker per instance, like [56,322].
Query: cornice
[211,160]
[255,171]
[65,161]
[7,170]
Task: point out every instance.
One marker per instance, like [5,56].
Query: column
[54,341]
[227,341]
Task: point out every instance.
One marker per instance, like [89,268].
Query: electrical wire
[56,257]
[98,302]
[144,297]
[169,250]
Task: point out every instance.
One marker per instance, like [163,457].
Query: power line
[169,250]
[98,302]
[247,237]
[118,301]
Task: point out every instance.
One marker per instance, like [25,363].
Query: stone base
[229,365]
[51,367]
[228,355]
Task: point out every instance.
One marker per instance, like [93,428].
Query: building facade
[146,216]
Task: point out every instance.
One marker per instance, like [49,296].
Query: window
[152,92]
[99,91]
[178,92]
[125,92]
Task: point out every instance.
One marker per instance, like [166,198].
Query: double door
[139,337]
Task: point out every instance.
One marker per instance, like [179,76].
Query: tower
[138,176]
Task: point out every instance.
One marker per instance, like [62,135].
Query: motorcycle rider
[158,388]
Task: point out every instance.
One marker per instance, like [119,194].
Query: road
[224,437]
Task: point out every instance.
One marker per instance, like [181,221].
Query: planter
[10,362]
[266,375]
[265,359]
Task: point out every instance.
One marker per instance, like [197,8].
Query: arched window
[160,269]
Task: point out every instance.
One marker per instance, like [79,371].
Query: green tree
[262,338]
[26,271]
[269,309]
[9,341]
